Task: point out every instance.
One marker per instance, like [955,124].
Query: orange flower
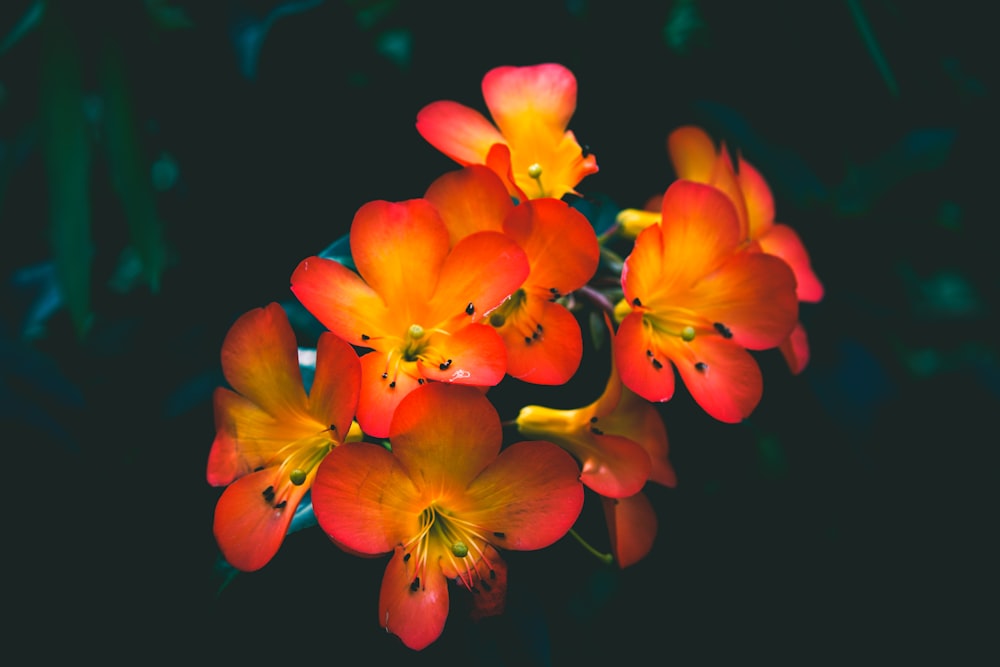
[271,435]
[694,300]
[621,443]
[695,158]
[415,303]
[543,340]
[529,147]
[441,502]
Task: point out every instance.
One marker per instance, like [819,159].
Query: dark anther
[269,493]
[636,302]
[656,364]
[499,534]
[596,431]
[415,586]
[406,557]
[365,337]
[723,330]
[554,290]
[475,591]
[527,340]
[420,380]
[486,586]
[493,574]
[649,353]
[538,328]
[445,365]
[258,468]
[470,309]
[281,505]
[593,419]
[392,385]
[536,335]
[385,375]
[701,366]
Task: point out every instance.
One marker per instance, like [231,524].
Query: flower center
[457,546]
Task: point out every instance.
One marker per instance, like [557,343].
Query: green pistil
[687,333]
[535,172]
[460,549]
[298,477]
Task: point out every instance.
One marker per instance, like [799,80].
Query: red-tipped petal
[260,360]
[364,500]
[758,198]
[554,355]
[783,241]
[616,467]
[521,99]
[461,133]
[248,528]
[722,377]
[473,199]
[632,527]
[413,610]
[635,361]
[447,452]
[561,245]
[528,498]
[333,398]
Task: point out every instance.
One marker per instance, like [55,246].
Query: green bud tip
[459,549]
[535,170]
[687,333]
[298,477]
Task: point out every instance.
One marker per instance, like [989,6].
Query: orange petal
[758,198]
[447,452]
[364,500]
[795,349]
[475,354]
[225,460]
[637,420]
[635,364]
[398,249]
[554,356]
[414,613]
[560,243]
[692,153]
[341,300]
[632,527]
[499,160]
[528,498]
[524,100]
[461,133]
[382,388]
[753,296]
[782,241]
[615,466]
[333,397]
[260,360]
[722,377]
[482,270]
[700,230]
[248,528]
[470,200]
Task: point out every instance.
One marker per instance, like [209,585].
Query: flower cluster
[395,446]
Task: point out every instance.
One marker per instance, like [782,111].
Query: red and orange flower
[543,340]
[415,303]
[529,147]
[270,434]
[696,300]
[442,502]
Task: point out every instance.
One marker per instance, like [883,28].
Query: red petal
[700,230]
[449,433]
[248,529]
[415,614]
[795,349]
[753,295]
[499,160]
[491,599]
[637,420]
[632,527]
[260,360]
[523,99]
[225,460]
[638,373]
[782,241]
[364,500]
[461,133]
[398,249]
[561,245]
[758,198]
[470,200]
[477,357]
[729,386]
[554,356]
[341,300]
[380,395]
[528,498]
[333,398]
[616,467]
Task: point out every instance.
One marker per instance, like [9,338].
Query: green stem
[606,558]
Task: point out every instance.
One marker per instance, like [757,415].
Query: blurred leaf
[29,21]
[37,294]
[167,16]
[684,28]
[66,152]
[129,173]
[919,151]
[249,31]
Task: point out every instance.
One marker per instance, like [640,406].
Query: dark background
[849,518]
